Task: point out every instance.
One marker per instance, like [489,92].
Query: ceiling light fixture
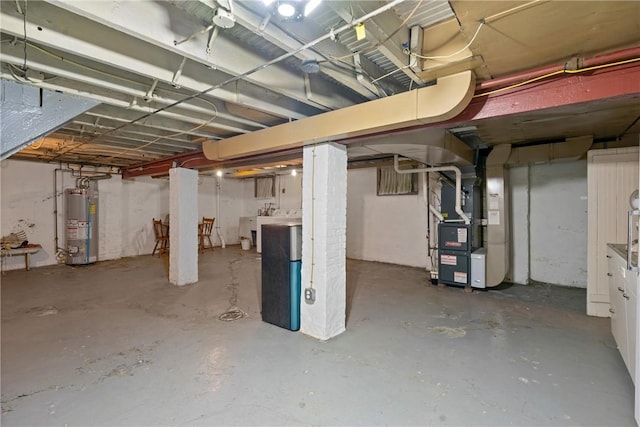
[292,10]
[286,10]
[219,174]
[294,173]
[310,66]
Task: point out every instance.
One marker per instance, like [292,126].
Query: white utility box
[479,268]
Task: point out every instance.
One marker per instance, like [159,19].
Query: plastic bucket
[245,243]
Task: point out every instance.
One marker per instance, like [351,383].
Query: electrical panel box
[479,268]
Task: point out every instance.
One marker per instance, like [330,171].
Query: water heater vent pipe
[454,169]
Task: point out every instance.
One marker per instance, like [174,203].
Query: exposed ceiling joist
[321,52]
[83,38]
[161,29]
[386,31]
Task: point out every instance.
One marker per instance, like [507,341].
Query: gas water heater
[81,222]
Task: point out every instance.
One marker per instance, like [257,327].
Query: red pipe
[500,82]
[618,55]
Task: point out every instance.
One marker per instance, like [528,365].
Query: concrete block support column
[183,233]
[324,239]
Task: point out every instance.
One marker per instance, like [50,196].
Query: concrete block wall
[288,190]
[26,204]
[548,204]
[126,210]
[389,229]
[231,206]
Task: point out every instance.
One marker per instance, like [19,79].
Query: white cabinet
[611,177]
[623,299]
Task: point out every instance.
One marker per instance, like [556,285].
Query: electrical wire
[95,70]
[377,45]
[32,146]
[390,73]
[120,78]
[13,69]
[313,213]
[104,73]
[241,76]
[127,150]
[454,53]
[24,24]
[556,73]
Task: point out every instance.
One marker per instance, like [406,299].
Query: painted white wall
[125,212]
[550,199]
[231,208]
[518,181]
[389,229]
[26,201]
[288,194]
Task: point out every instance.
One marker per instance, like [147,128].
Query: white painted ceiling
[138,57]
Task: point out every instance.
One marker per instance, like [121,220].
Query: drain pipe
[458,173]
[222,242]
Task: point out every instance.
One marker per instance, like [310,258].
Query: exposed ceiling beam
[544,96]
[164,24]
[305,32]
[68,69]
[559,91]
[386,31]
[156,121]
[79,36]
[133,139]
[86,122]
[76,88]
[197,160]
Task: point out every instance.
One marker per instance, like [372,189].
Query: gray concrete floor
[115,344]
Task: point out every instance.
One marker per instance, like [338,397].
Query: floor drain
[232,315]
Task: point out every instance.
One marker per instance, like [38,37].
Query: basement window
[265,187]
[391,183]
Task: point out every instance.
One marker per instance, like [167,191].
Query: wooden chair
[161,232]
[204,234]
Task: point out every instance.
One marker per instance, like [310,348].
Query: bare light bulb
[287,10]
[294,172]
[219,174]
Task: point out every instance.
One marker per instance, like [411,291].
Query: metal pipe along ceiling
[454,169]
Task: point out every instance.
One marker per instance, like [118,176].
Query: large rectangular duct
[29,113]
[497,238]
[442,101]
